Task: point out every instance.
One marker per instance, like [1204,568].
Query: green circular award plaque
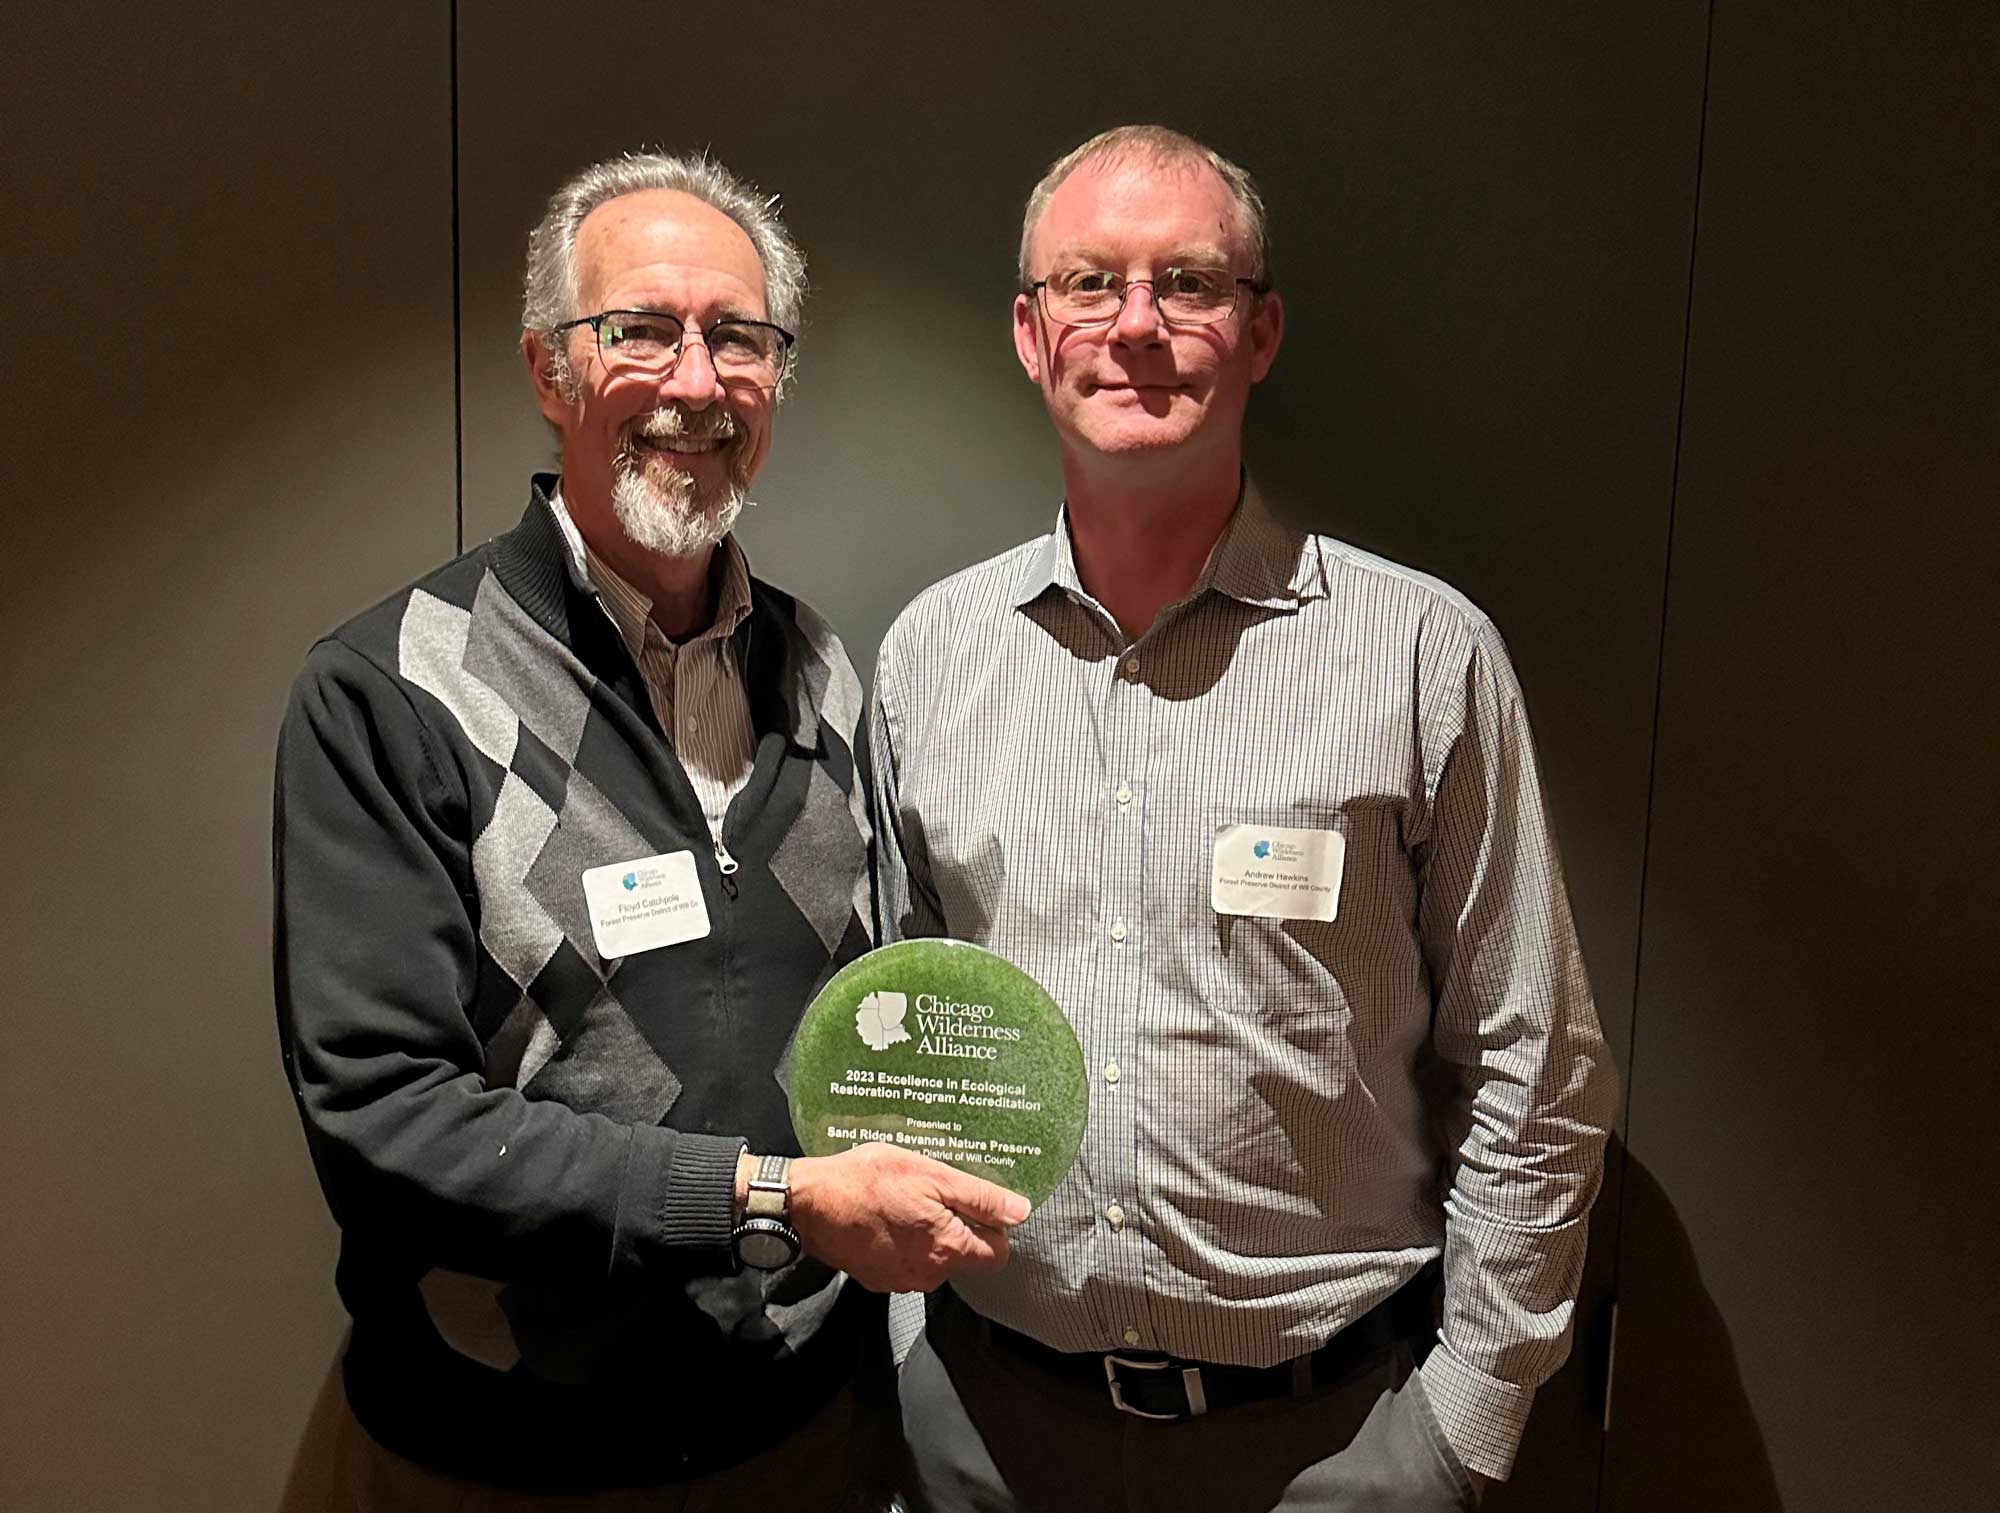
[947,1050]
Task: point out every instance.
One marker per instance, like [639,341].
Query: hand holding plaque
[946,1050]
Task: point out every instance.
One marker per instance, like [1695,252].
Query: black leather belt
[1151,1385]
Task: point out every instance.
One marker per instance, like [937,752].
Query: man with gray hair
[568,833]
[1274,839]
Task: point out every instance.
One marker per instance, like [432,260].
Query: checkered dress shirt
[1288,1118]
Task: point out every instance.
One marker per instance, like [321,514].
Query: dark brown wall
[1666,335]
[229,424]
[1807,1266]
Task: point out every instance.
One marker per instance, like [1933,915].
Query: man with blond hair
[1274,838]
[568,834]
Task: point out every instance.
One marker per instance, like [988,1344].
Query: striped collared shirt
[1288,1117]
[696,686]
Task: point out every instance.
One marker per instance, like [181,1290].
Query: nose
[691,381]
[1138,319]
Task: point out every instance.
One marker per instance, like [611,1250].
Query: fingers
[960,1250]
[978,1201]
[956,1249]
[898,1221]
[985,1250]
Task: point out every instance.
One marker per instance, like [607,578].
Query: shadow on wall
[312,1484]
[1557,1469]
[1684,1438]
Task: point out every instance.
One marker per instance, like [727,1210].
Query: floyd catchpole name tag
[1277,872]
[643,905]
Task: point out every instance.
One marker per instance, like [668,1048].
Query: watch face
[766,1245]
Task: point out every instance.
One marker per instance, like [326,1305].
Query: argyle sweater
[531,1149]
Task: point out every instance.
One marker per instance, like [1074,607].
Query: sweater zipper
[727,864]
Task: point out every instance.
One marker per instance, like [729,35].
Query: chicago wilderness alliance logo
[879,1019]
[946,1026]
[1282,852]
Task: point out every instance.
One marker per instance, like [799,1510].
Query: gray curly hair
[1164,147]
[549,291]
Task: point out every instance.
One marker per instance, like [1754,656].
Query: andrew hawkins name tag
[1276,872]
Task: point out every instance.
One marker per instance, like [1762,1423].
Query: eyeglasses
[1183,296]
[746,354]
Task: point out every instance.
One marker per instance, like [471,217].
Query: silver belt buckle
[1197,1398]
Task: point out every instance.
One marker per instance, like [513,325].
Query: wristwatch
[765,1239]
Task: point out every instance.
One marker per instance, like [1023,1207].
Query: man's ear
[1027,337]
[555,405]
[1267,331]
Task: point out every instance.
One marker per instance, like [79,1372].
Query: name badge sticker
[643,905]
[1276,872]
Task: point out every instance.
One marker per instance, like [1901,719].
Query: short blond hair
[1161,146]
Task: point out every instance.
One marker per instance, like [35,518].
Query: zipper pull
[728,864]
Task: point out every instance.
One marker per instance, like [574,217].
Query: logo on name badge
[879,1020]
[1262,849]
[644,904]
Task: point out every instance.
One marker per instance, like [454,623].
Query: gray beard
[662,510]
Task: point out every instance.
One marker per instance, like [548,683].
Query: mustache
[671,423]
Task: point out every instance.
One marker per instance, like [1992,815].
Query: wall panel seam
[457,314]
[1659,686]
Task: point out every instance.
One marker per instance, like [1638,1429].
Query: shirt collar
[1260,560]
[1257,560]
[630,609]
[1052,564]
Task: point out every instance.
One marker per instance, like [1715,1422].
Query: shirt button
[1131,667]
[1111,1072]
[1118,929]
[1115,1216]
[1131,1334]
[693,724]
[1124,794]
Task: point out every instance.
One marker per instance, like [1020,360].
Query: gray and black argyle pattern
[556,1023]
[530,1147]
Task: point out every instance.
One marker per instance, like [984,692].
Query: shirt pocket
[1263,964]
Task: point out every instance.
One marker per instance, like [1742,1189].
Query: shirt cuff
[1482,1417]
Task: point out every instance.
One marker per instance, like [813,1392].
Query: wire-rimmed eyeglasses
[1182,296]
[746,354]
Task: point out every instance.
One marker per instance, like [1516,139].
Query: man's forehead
[666,230]
[1180,204]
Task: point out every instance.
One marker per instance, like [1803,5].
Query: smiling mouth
[680,446]
[639,444]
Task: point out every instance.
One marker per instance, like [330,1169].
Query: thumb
[978,1201]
